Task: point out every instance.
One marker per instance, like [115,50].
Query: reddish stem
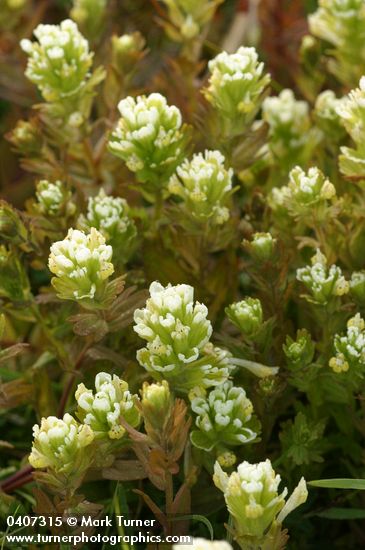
[17,480]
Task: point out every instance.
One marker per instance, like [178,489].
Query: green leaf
[202,519]
[341,483]
[342,513]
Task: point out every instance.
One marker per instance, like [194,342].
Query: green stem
[118,512]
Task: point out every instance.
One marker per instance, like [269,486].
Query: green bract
[14,283]
[204,185]
[223,418]
[103,409]
[89,15]
[253,500]
[236,85]
[350,348]
[59,63]
[177,332]
[60,445]
[322,281]
[82,265]
[246,315]
[150,138]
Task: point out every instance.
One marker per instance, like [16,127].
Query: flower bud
[299,352]
[59,62]
[322,281]
[189,18]
[82,265]
[149,137]
[54,199]
[262,246]
[246,315]
[103,409]
[126,51]
[60,445]
[26,138]
[224,418]
[156,404]
[204,186]
[89,15]
[111,216]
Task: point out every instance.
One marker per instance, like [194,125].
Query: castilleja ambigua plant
[182,272]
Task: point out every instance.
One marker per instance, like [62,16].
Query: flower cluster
[236,86]
[246,315]
[224,419]
[59,445]
[88,14]
[350,348]
[177,332]
[54,199]
[82,264]
[189,17]
[253,500]
[327,116]
[342,24]
[291,135]
[127,49]
[111,216]
[352,113]
[322,281]
[204,185]
[307,189]
[357,286]
[149,137]
[59,63]
[103,409]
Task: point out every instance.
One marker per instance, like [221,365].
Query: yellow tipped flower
[60,445]
[82,264]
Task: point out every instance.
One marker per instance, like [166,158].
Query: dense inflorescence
[182,276]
